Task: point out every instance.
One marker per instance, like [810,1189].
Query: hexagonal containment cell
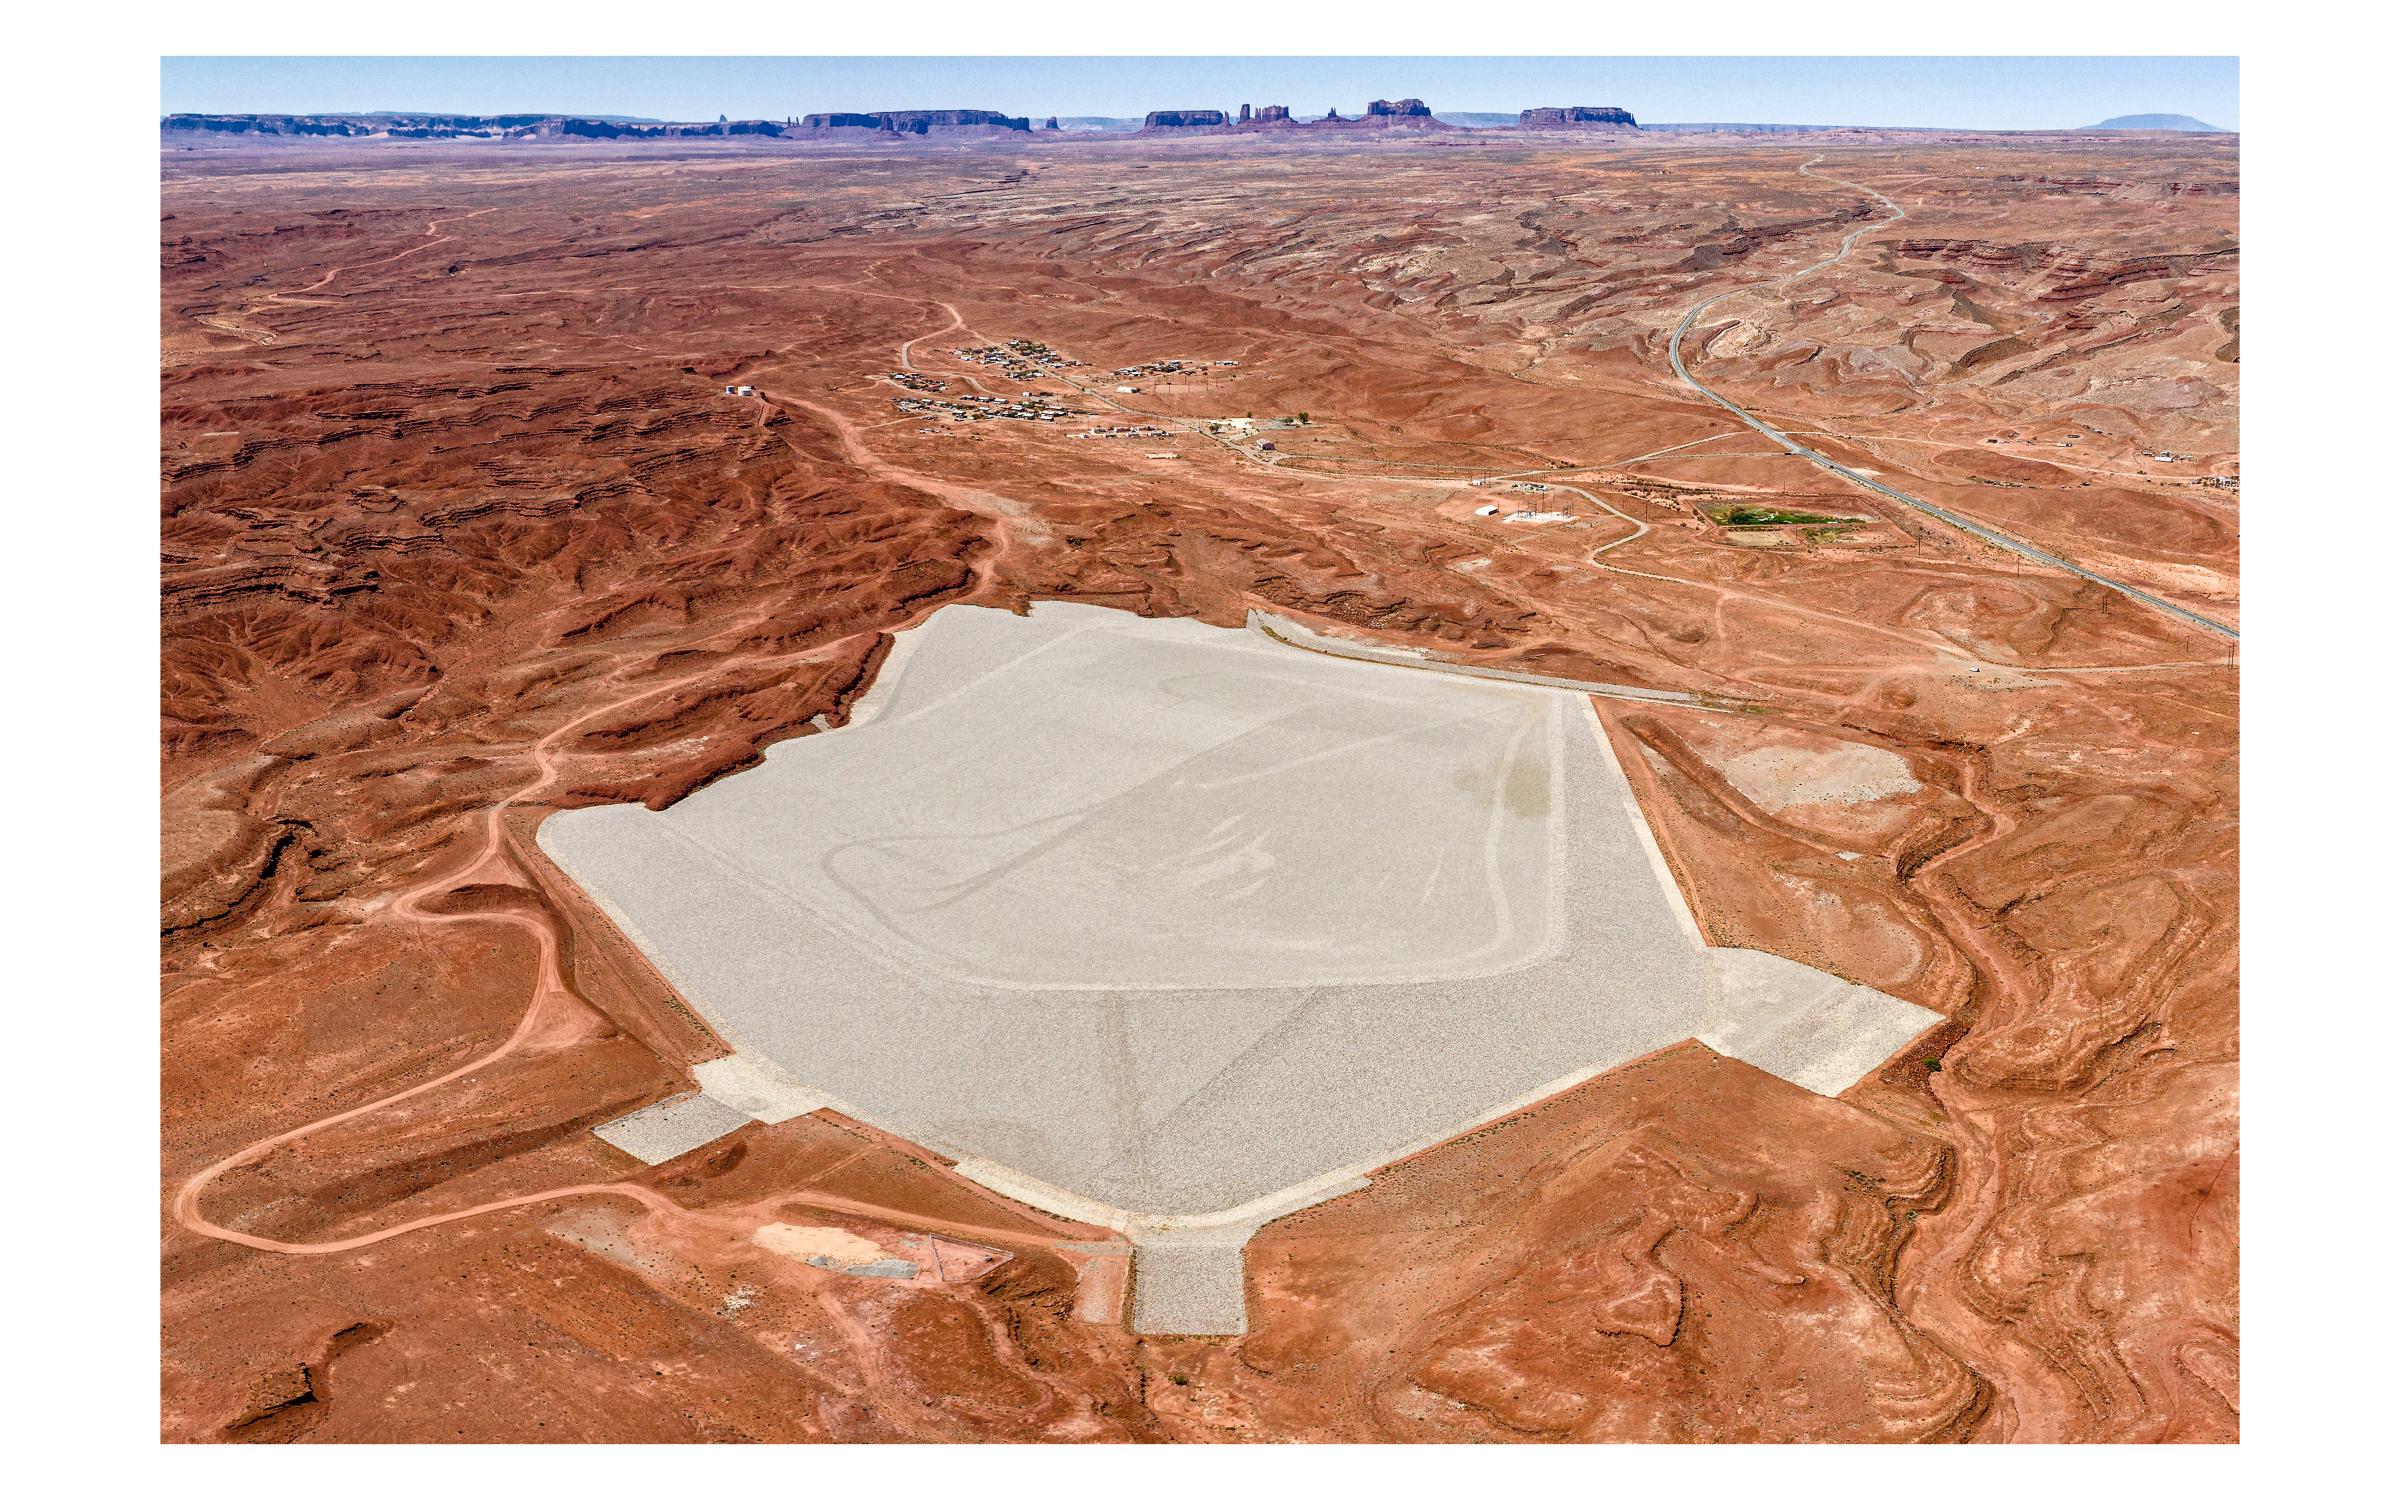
[1178,928]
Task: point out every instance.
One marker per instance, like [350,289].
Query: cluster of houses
[1034,351]
[741,390]
[1175,367]
[1020,359]
[1125,432]
[1025,408]
[915,382]
[1029,359]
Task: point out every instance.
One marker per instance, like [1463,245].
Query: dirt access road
[1840,471]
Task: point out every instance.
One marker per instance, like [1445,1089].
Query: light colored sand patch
[668,1129]
[823,1243]
[832,1249]
[1779,776]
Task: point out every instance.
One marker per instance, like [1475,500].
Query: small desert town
[1304,754]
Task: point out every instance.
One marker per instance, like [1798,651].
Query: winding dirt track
[550,986]
[491,864]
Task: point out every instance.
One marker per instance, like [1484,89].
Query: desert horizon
[926,779]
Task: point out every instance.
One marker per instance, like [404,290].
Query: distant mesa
[269,125]
[456,127]
[1382,113]
[837,125]
[917,121]
[2183,123]
[1387,113]
[413,127]
[862,125]
[1577,117]
[1183,119]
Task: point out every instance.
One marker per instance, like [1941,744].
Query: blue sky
[2005,93]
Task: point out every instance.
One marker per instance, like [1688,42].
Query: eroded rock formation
[1573,116]
[1183,119]
[457,127]
[916,121]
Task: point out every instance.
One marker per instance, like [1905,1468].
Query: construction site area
[1107,910]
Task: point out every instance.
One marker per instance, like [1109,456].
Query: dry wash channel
[1179,929]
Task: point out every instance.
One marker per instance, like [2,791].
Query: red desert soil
[459,529]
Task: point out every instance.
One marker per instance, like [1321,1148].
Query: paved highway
[1841,471]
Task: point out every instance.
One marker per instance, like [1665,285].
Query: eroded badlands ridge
[460,528]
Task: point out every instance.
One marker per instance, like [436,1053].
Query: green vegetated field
[1768,515]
